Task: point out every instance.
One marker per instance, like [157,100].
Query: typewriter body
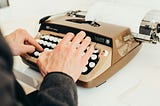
[115,45]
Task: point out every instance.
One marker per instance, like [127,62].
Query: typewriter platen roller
[115,45]
[149,30]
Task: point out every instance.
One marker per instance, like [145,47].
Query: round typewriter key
[40,41]
[85,69]
[95,51]
[45,43]
[49,44]
[55,39]
[46,49]
[93,56]
[51,38]
[59,39]
[92,64]
[46,37]
[105,53]
[42,36]
[53,45]
[107,41]
[36,53]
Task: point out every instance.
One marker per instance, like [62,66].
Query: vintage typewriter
[115,45]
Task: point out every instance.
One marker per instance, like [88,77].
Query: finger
[88,54]
[78,38]
[42,61]
[44,56]
[67,38]
[84,45]
[33,42]
[28,49]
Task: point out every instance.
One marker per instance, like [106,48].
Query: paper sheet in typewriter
[118,14]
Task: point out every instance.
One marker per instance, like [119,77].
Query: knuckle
[72,45]
[58,48]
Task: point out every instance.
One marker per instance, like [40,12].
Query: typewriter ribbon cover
[115,45]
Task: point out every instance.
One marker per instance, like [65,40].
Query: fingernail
[82,32]
[88,38]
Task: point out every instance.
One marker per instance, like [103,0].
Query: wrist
[58,72]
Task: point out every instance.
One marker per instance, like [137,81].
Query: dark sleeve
[57,89]
[7,96]
[11,93]
[7,92]
[7,85]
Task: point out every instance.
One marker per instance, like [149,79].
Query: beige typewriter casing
[123,48]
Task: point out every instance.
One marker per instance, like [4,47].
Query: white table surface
[137,84]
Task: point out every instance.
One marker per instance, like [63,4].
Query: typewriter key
[42,37]
[53,45]
[95,51]
[46,37]
[59,39]
[105,53]
[84,69]
[55,39]
[36,53]
[92,64]
[46,49]
[51,38]
[93,56]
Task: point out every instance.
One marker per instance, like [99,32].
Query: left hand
[20,42]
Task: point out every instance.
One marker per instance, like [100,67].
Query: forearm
[58,89]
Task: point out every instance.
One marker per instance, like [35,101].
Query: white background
[137,84]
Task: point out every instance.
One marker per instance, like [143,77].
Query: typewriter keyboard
[48,43]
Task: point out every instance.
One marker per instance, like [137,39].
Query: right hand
[67,56]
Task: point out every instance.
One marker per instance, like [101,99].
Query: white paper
[117,14]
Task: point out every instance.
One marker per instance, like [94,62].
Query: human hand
[68,56]
[21,42]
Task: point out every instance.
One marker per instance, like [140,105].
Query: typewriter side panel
[123,43]
[124,49]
